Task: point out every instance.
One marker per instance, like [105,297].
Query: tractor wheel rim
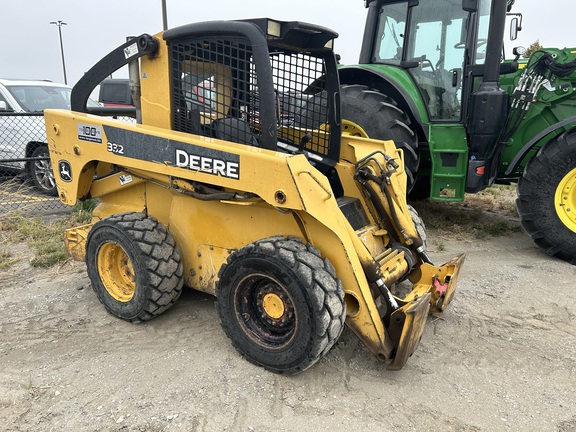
[267,313]
[116,272]
[565,200]
[353,129]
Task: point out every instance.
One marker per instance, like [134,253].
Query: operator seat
[235,130]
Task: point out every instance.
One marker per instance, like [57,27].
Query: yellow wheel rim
[353,129]
[565,200]
[116,272]
[273,305]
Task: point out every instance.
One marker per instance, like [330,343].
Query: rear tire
[280,304]
[134,265]
[381,118]
[313,112]
[546,200]
[41,171]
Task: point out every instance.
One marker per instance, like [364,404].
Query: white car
[22,135]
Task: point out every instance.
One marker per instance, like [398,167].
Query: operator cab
[261,82]
[437,42]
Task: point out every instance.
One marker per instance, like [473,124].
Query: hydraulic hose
[416,242]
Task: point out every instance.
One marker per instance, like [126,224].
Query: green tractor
[431,77]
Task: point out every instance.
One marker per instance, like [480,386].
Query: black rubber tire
[314,112]
[419,224]
[535,197]
[41,172]
[312,313]
[155,259]
[381,118]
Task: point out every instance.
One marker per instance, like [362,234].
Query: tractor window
[435,31]
[390,36]
[483,25]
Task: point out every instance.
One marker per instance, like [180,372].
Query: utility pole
[60,24]
[164,16]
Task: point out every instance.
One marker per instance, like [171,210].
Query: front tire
[546,200]
[419,225]
[134,266]
[41,171]
[380,117]
[280,304]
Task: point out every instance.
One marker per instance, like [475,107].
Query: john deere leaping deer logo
[65,171]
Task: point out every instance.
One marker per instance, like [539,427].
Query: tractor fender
[528,146]
[374,79]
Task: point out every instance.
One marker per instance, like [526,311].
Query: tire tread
[535,195]
[325,292]
[161,256]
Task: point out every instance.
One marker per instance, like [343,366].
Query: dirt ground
[502,357]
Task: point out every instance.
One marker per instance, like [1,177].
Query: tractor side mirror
[515,25]
[514,29]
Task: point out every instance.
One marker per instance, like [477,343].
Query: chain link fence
[26,178]
[27,182]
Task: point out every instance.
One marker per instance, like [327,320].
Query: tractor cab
[439,43]
[440,62]
[431,77]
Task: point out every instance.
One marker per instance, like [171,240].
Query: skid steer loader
[296,230]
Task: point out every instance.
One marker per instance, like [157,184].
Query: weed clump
[44,235]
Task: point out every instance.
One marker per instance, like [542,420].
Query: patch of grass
[440,246]
[6,258]
[497,229]
[82,211]
[45,236]
[49,254]
[34,391]
[489,213]
[497,198]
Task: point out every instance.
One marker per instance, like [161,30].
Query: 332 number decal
[115,148]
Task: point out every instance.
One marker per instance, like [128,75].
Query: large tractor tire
[313,112]
[546,199]
[134,266]
[280,304]
[378,116]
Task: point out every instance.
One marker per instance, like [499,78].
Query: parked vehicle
[294,229]
[431,77]
[23,145]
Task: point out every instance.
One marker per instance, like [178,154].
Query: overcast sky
[31,48]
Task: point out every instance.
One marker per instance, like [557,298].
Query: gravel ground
[502,357]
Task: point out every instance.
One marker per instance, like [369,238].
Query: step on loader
[237,182]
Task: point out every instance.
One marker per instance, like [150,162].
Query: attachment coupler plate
[433,290]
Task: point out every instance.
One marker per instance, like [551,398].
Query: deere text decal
[170,152]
